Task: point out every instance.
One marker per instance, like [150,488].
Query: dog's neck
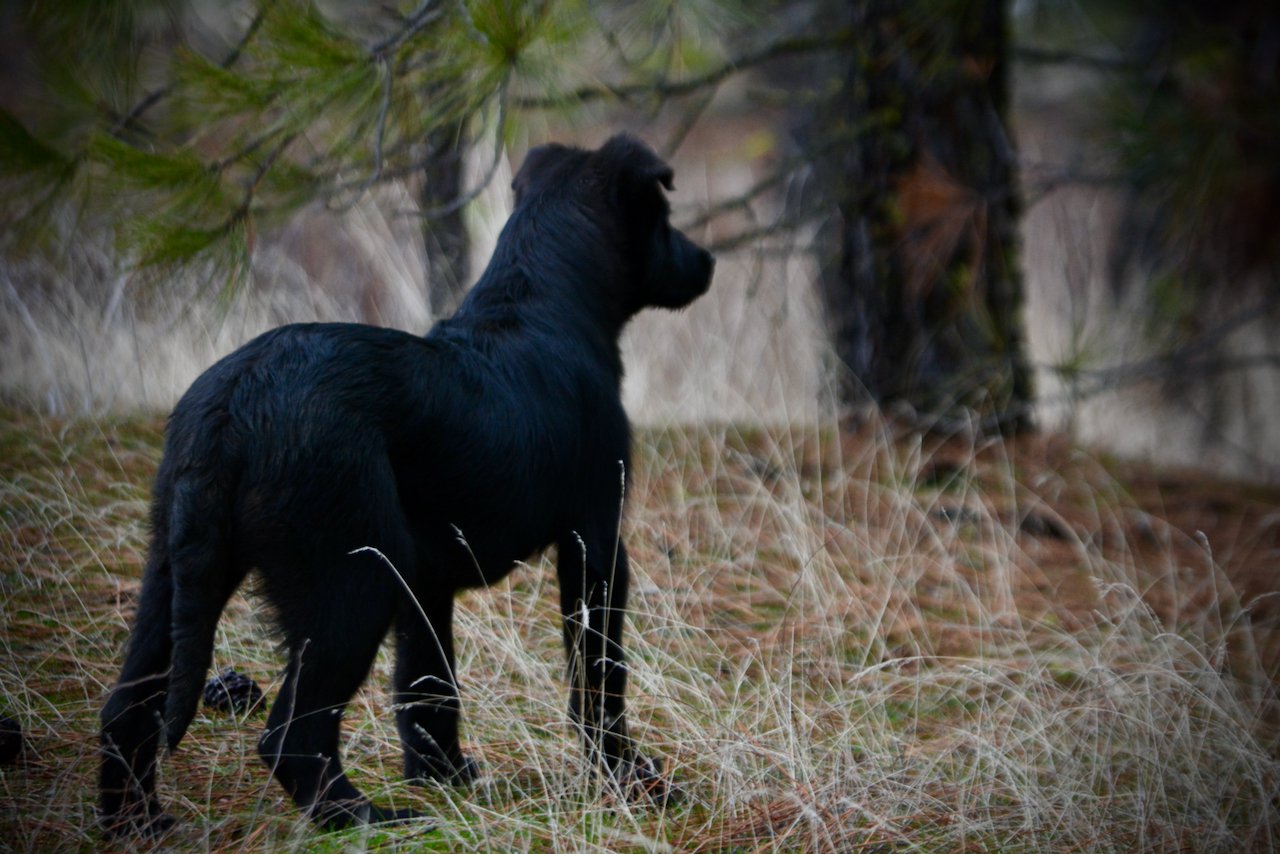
[562,286]
[509,302]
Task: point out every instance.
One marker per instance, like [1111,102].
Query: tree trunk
[444,233]
[924,292]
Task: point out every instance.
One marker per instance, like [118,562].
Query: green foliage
[220,92]
[33,175]
[148,169]
[160,242]
[183,150]
[305,40]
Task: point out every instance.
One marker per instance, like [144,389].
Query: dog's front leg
[427,693]
[593,595]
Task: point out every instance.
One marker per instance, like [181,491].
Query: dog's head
[618,192]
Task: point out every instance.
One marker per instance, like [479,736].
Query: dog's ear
[634,171]
[656,171]
[643,167]
[536,162]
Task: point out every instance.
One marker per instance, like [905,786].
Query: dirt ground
[1203,548]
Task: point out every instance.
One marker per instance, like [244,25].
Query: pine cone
[232,692]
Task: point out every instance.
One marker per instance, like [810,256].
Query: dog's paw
[640,779]
[461,770]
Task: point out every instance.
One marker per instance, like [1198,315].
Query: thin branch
[687,122]
[1198,355]
[665,89]
[742,238]
[251,188]
[380,133]
[1047,56]
[1041,180]
[499,136]
[375,176]
[389,173]
[742,201]
[380,53]
[421,18]
[249,148]
[784,172]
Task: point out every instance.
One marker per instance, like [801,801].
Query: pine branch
[155,97]
[664,88]
[259,175]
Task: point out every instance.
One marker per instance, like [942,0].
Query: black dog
[454,456]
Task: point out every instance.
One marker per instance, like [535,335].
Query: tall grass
[839,643]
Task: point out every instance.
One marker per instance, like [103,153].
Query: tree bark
[924,291]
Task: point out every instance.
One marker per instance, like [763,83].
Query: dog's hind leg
[427,692]
[133,718]
[204,577]
[333,630]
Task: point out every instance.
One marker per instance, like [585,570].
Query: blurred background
[975,216]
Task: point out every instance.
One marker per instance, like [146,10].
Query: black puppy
[454,456]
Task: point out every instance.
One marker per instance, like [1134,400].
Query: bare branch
[782,173]
[375,175]
[1043,180]
[1047,56]
[499,133]
[251,186]
[687,122]
[420,19]
[663,88]
[1199,355]
[780,226]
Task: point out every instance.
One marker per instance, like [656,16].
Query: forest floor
[841,639]
[1186,532]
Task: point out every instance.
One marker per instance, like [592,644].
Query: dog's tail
[203,579]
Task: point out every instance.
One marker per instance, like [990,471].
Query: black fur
[455,455]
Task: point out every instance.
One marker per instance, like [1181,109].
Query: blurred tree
[1185,99]
[910,141]
[1196,126]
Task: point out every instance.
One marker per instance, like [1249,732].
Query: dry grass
[842,641]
